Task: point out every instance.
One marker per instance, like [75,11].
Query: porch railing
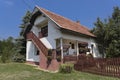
[70,58]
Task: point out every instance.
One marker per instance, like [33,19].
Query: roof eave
[74,32]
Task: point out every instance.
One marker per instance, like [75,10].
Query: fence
[102,66]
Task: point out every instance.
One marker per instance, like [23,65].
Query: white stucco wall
[53,34]
[31,51]
[35,30]
[39,20]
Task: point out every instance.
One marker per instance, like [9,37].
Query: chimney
[78,21]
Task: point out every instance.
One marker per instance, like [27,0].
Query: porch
[68,50]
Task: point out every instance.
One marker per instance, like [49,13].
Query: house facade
[50,31]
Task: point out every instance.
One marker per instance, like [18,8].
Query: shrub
[19,58]
[66,68]
[5,57]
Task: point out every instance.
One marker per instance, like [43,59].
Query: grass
[20,71]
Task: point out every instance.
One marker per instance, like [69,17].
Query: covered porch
[68,49]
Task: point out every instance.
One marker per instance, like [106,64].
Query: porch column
[77,49]
[61,47]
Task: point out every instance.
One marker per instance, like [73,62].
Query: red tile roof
[66,23]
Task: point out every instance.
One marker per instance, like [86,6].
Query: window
[44,31]
[37,52]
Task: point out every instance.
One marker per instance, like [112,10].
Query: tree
[21,40]
[11,48]
[99,31]
[25,20]
[7,49]
[108,34]
[114,34]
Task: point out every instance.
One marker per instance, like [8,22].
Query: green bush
[19,58]
[5,58]
[58,58]
[66,68]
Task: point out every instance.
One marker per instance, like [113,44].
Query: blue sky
[86,11]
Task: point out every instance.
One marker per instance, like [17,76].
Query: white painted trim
[61,47]
[77,47]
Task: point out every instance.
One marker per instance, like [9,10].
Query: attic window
[44,31]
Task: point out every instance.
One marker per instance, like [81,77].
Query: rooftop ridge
[66,23]
[57,14]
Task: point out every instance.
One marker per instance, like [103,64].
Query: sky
[86,11]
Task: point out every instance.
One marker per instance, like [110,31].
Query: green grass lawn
[20,71]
